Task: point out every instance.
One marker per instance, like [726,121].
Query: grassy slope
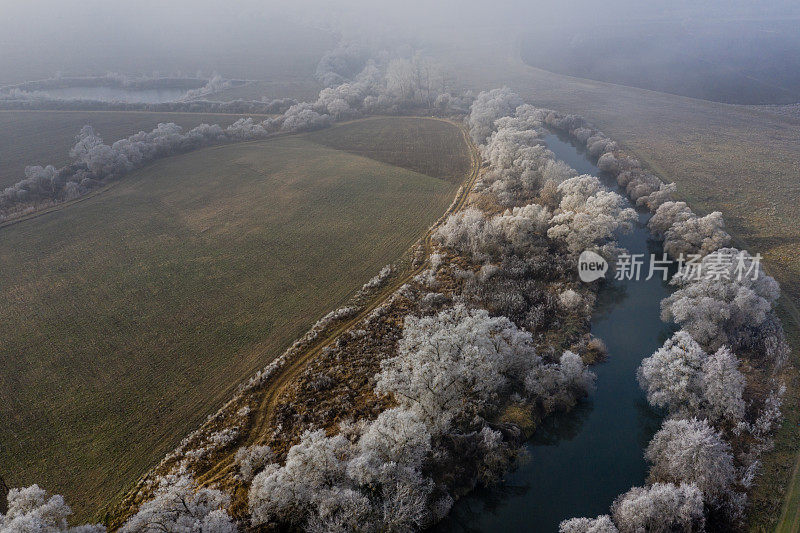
[45,137]
[127,318]
[736,159]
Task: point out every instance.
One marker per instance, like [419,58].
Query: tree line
[386,84]
[471,336]
[717,378]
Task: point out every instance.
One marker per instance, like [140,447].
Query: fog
[283,40]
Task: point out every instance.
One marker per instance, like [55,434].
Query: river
[580,461]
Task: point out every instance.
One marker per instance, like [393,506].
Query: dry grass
[416,144]
[127,318]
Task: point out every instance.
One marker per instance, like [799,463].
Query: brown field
[127,318]
[412,146]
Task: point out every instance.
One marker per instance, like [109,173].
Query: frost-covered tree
[666,215]
[85,142]
[317,463]
[686,381]
[671,377]
[455,364]
[576,191]
[601,524]
[730,303]
[599,144]
[332,484]
[589,215]
[515,231]
[696,235]
[414,79]
[246,128]
[660,508]
[665,193]
[722,387]
[521,226]
[302,117]
[559,385]
[513,288]
[251,459]
[31,510]
[770,414]
[571,300]
[686,233]
[520,165]
[404,498]
[608,162]
[342,63]
[179,506]
[488,107]
[568,123]
[640,185]
[397,435]
[468,232]
[340,510]
[691,451]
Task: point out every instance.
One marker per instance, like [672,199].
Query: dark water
[580,461]
[117,94]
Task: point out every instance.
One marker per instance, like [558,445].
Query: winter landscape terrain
[322,267]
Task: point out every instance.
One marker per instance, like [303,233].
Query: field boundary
[105,188]
[263,398]
[280,380]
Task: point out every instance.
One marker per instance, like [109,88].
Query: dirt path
[260,432]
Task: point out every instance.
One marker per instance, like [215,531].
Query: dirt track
[259,431]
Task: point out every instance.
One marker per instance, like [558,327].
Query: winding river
[580,461]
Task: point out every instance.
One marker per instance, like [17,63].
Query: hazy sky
[41,20]
[41,37]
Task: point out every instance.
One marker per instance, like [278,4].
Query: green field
[128,317]
[45,137]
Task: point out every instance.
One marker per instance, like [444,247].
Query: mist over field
[277,40]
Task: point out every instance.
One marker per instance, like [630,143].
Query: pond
[116,94]
[580,461]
